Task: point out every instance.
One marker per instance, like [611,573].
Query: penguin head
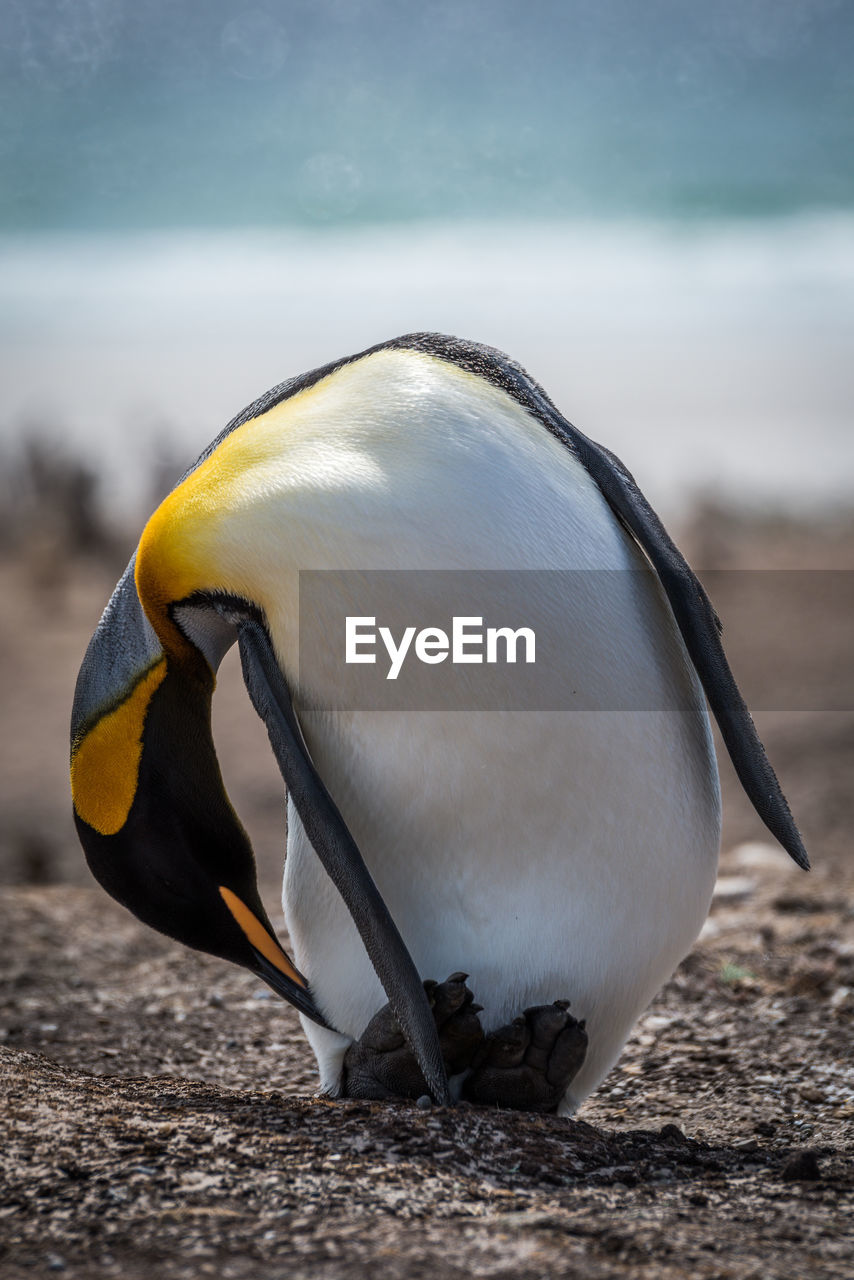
[150,806]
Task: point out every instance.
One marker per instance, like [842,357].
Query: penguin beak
[150,806]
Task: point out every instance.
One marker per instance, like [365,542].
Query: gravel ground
[157,1110]
[158,1115]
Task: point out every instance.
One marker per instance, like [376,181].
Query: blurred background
[649,206]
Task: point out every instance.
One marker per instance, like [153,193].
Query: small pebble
[424,1103]
[803,1167]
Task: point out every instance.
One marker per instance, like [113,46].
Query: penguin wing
[695,616]
[338,852]
[701,631]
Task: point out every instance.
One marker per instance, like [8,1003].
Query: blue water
[151,114]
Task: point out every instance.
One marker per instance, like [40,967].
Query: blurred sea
[650,206]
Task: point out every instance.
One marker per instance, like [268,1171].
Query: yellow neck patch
[105,764]
[259,937]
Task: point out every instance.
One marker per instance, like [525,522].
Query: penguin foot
[529,1064]
[380,1063]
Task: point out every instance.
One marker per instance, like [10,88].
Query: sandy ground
[158,1115]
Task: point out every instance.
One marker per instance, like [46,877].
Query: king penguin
[547,857]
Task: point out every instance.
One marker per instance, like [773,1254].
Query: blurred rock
[733,888]
[755,855]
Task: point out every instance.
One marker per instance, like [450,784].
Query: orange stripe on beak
[259,937]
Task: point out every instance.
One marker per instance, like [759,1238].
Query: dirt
[158,1114]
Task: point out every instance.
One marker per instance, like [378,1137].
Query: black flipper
[692,609]
[340,856]
[701,631]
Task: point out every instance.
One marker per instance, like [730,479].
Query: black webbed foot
[528,1065]
[381,1065]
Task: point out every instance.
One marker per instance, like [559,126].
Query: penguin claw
[529,1064]
[380,1063]
[526,1065]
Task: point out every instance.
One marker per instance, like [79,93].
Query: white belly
[548,854]
[560,854]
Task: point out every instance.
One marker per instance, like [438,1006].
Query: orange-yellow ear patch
[259,937]
[105,764]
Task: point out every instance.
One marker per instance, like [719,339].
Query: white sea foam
[707,356]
